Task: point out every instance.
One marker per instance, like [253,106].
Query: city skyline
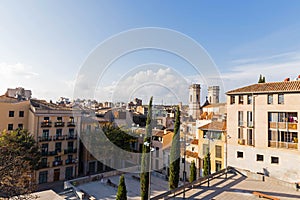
[44,45]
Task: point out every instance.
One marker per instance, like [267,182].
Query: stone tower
[213,94]
[194,101]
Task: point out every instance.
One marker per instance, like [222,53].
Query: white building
[263,126]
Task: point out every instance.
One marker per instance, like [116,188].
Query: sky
[44,45]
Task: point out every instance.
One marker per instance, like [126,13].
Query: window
[240,133]
[218,165]
[240,118]
[69,173]
[58,132]
[232,99]
[46,118]
[11,113]
[274,160]
[43,177]
[197,98]
[59,119]
[249,99]
[241,99]
[205,149]
[240,154]
[259,157]
[58,146]
[21,113]
[218,151]
[92,167]
[250,137]
[270,98]
[20,126]
[157,151]
[10,127]
[249,119]
[191,98]
[45,133]
[280,99]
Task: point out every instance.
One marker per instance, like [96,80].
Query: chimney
[298,78]
[287,79]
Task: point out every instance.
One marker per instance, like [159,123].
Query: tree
[145,165]
[122,192]
[175,153]
[207,165]
[193,172]
[19,156]
[261,79]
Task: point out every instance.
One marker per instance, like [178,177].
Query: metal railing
[184,188]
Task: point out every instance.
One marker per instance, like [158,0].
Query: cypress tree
[206,165]
[193,172]
[175,153]
[145,166]
[122,192]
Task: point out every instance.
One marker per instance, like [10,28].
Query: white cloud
[15,75]
[274,68]
[164,84]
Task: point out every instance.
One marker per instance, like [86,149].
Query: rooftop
[214,125]
[286,86]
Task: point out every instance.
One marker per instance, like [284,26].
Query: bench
[262,195]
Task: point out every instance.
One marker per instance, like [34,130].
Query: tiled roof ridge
[282,86]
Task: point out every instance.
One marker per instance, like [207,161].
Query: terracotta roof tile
[191,154]
[194,141]
[287,86]
[214,125]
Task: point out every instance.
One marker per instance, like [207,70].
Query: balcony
[43,165]
[57,163]
[70,150]
[49,153]
[71,137]
[58,137]
[70,161]
[283,125]
[241,141]
[46,124]
[44,138]
[59,124]
[283,145]
[71,124]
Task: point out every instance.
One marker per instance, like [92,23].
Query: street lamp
[148,144]
[209,137]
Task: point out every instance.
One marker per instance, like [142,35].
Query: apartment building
[161,143]
[263,126]
[56,129]
[212,139]
[14,113]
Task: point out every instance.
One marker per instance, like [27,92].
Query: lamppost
[209,137]
[184,164]
[148,144]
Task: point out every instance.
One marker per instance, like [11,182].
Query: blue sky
[43,44]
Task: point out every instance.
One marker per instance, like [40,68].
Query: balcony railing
[49,153]
[57,163]
[71,136]
[70,150]
[59,137]
[283,145]
[43,165]
[44,138]
[46,124]
[283,125]
[59,124]
[70,161]
[241,141]
[71,124]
